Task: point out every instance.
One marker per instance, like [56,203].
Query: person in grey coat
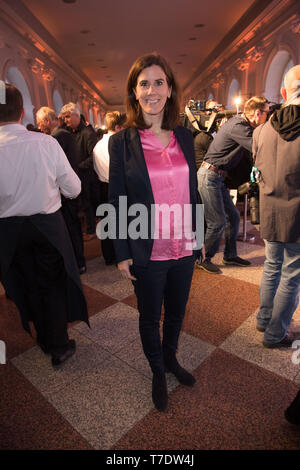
[276,150]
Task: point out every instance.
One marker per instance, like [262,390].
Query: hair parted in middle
[171,117]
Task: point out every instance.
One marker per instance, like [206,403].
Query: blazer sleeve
[117,189]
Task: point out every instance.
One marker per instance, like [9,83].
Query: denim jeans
[279,289]
[220,214]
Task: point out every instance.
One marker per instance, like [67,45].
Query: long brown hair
[171,117]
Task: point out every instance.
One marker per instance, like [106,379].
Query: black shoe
[182,375]
[286,342]
[292,413]
[160,392]
[236,261]
[208,266]
[58,359]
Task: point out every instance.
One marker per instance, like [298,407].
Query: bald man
[276,149]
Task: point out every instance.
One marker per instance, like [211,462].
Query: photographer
[232,143]
[202,120]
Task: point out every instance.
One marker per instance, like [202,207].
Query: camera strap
[193,120]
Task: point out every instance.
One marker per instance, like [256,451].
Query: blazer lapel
[138,159]
[183,144]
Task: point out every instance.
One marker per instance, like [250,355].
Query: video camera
[207,119]
[251,188]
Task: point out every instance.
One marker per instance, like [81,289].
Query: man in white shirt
[37,262]
[114,122]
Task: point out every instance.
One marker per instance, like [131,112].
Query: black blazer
[128,176]
[69,146]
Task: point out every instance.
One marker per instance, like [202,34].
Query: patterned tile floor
[101,397]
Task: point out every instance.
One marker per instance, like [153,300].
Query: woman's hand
[124,267]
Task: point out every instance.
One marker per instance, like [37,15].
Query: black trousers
[41,269]
[162,282]
[69,208]
[90,197]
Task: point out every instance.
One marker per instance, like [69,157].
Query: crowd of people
[153,161]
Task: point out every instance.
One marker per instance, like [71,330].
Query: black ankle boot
[160,392]
[292,413]
[182,375]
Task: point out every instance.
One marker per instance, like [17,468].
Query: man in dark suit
[49,124]
[86,139]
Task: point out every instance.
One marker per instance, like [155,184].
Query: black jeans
[41,269]
[162,282]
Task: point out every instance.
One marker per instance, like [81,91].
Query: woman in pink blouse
[152,163]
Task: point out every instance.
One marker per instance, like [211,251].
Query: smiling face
[152,91]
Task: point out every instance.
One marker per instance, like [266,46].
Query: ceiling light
[192,39]
[85,31]
[199,25]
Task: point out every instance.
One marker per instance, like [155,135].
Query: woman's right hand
[124,267]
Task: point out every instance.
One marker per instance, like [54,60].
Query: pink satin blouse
[169,176]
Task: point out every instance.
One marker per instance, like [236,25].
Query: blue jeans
[279,289]
[220,214]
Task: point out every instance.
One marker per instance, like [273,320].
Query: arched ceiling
[101,39]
